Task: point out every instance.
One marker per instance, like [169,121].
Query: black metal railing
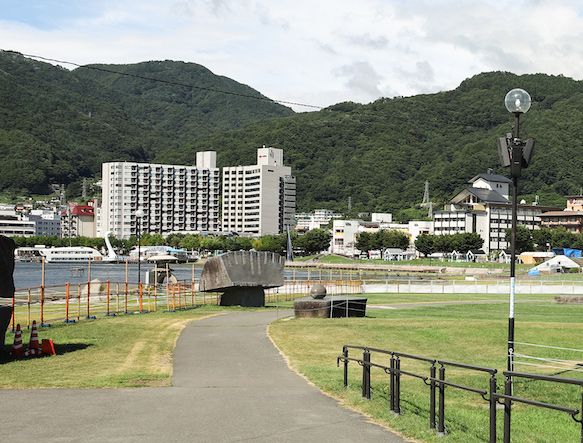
[508,398]
[435,379]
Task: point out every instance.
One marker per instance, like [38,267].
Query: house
[397,254]
[504,256]
[455,256]
[476,255]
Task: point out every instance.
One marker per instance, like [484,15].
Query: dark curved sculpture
[7,248]
[242,276]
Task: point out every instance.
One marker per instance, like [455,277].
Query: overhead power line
[169,82]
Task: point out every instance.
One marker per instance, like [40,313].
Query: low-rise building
[345,233]
[47,222]
[79,220]
[570,218]
[306,221]
[14,224]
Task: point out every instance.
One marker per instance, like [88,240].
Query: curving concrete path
[230,384]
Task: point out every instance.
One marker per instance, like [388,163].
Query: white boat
[29,254]
[70,254]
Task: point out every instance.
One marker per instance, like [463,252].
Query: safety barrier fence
[70,303]
[434,377]
[412,286]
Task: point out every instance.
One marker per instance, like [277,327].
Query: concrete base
[5,316]
[250,296]
[340,306]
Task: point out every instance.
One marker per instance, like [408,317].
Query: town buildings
[47,222]
[173,198]
[484,208]
[320,218]
[79,220]
[345,232]
[259,199]
[570,218]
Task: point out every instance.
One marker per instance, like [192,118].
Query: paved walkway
[230,384]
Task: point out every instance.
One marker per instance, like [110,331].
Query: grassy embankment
[131,350]
[474,334]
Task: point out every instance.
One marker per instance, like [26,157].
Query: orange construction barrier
[17,348]
[48,347]
[34,349]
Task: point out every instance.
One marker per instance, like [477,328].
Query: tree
[391,238]
[365,241]
[314,241]
[443,243]
[542,237]
[273,243]
[524,240]
[463,242]
[425,244]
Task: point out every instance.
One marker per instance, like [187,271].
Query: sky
[317,52]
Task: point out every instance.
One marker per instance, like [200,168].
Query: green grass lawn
[130,350]
[474,334]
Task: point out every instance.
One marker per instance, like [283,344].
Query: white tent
[557,264]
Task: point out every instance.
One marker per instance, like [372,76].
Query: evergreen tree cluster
[428,244]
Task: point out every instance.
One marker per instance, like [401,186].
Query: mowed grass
[124,351]
[474,334]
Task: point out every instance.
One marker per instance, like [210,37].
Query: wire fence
[70,303]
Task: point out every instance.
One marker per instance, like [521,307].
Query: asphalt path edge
[340,401]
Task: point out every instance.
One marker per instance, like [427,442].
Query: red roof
[80,210]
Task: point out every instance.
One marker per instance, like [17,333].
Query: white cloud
[319,52]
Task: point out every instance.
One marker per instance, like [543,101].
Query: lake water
[28,275]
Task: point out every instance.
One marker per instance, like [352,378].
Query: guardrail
[435,379]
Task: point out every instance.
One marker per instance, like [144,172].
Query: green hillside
[57,126]
[380,154]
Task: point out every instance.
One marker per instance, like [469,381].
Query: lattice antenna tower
[426,203]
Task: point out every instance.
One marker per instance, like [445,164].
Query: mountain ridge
[378,154]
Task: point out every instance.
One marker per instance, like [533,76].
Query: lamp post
[516,154]
[139,215]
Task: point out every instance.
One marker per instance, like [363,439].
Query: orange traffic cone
[17,348]
[34,346]
[48,347]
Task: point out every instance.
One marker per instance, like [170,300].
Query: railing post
[441,422]
[67,289]
[581,421]
[507,409]
[392,383]
[366,374]
[432,374]
[398,385]
[493,408]
[345,355]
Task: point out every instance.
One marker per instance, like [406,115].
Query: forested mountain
[58,125]
[380,154]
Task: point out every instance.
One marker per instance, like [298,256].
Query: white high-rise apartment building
[174,198]
[259,199]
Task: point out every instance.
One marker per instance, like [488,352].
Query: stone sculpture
[7,248]
[242,276]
